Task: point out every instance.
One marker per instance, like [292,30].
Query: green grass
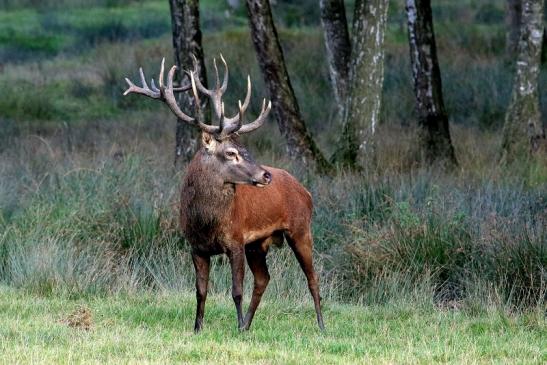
[148,328]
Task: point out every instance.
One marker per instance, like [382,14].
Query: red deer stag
[230,204]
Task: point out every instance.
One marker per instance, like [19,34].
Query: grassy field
[156,328]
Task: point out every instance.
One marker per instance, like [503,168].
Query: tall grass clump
[455,237]
[79,224]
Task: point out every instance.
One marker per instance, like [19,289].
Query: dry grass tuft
[81,319]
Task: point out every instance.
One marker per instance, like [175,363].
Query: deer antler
[258,121]
[228,125]
[166,93]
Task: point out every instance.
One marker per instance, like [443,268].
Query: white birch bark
[362,111]
[523,129]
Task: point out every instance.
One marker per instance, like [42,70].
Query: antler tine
[222,122]
[170,76]
[169,96]
[217,78]
[259,121]
[199,85]
[225,80]
[144,90]
[154,86]
[235,124]
[143,79]
[248,96]
[160,76]
[241,116]
[203,126]
[194,91]
[235,118]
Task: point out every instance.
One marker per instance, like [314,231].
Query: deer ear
[209,142]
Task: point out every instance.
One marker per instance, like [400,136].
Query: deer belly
[263,244]
[262,234]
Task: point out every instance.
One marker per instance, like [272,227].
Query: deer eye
[230,154]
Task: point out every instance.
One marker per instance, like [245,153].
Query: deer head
[220,147]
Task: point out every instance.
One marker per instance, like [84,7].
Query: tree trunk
[187,41]
[432,118]
[514,21]
[523,129]
[544,46]
[300,145]
[362,110]
[337,42]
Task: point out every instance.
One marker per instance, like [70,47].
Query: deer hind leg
[237,262]
[302,245]
[256,259]
[201,265]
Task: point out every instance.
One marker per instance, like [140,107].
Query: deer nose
[262,179]
[267,177]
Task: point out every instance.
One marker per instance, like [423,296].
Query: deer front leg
[201,264]
[237,262]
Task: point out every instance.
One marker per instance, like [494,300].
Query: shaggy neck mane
[205,197]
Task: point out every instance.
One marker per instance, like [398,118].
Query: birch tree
[434,132]
[187,41]
[523,130]
[514,21]
[366,77]
[338,45]
[285,107]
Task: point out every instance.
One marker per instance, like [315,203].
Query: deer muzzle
[262,179]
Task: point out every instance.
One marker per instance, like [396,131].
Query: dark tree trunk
[187,41]
[432,118]
[514,21]
[300,145]
[523,130]
[362,105]
[544,46]
[337,42]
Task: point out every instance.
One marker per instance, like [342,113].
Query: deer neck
[206,199]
